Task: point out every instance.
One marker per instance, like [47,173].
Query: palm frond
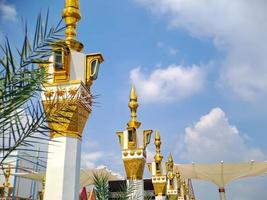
[101,186]
[126,191]
[21,111]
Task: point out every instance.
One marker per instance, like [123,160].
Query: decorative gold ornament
[134,168]
[73,91]
[43,188]
[72,15]
[60,92]
[48,94]
[158,157]
[133,105]
[73,122]
[159,188]
[67,114]
[7,175]
[93,62]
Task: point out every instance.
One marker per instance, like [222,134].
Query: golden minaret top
[72,15]
[133,105]
[158,157]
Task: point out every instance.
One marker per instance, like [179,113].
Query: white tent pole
[222,194]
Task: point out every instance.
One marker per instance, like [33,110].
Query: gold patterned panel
[172,197]
[160,189]
[73,121]
[134,168]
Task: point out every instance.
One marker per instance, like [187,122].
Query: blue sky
[200,70]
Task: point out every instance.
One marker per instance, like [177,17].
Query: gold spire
[169,164]
[170,159]
[7,176]
[133,105]
[158,157]
[72,15]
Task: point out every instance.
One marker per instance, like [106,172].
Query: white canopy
[221,173]
[86,175]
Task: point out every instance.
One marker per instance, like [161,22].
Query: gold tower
[67,101]
[172,189]
[67,93]
[159,179]
[133,144]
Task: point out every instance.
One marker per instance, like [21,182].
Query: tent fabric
[86,175]
[221,173]
[36,176]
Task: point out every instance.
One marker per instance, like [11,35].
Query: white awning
[86,175]
[221,173]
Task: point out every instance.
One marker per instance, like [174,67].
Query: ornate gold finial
[133,105]
[169,164]
[170,159]
[43,186]
[7,176]
[72,15]
[158,157]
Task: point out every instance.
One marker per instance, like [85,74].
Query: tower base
[63,169]
[160,197]
[138,189]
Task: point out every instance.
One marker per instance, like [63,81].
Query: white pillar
[63,169]
[160,198]
[138,186]
[222,194]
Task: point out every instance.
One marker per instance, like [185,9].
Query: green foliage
[148,196]
[21,111]
[101,187]
[126,192]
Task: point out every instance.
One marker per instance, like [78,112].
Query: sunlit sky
[200,70]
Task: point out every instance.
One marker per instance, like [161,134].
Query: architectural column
[159,179]
[67,101]
[160,197]
[133,144]
[138,186]
[172,187]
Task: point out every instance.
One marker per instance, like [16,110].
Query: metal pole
[222,194]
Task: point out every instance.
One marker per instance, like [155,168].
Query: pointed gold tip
[133,95]
[170,158]
[133,105]
[157,135]
[158,157]
[72,15]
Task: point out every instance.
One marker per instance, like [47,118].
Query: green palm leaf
[21,79]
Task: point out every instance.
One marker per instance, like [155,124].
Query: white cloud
[213,139]
[238,28]
[89,160]
[96,159]
[169,84]
[8,11]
